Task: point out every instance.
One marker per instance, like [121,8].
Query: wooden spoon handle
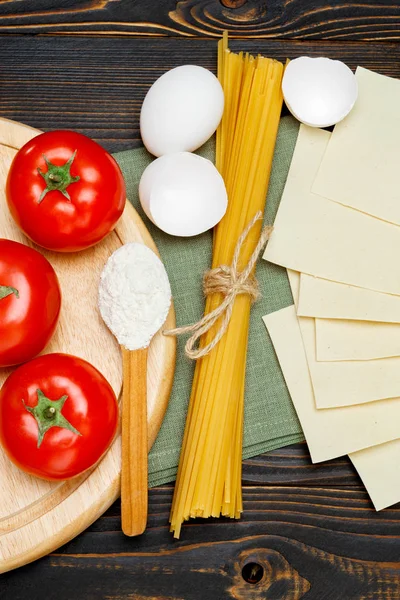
[134,476]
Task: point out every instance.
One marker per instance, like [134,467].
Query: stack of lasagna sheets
[337,232]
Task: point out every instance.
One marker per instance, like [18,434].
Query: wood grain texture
[37,516]
[312,530]
[292,466]
[97,86]
[312,543]
[134,473]
[294,19]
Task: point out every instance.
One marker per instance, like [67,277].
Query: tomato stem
[47,414]
[55,178]
[58,178]
[6,290]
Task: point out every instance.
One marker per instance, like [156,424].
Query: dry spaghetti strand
[209,475]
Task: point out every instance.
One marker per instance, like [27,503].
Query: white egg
[183,194]
[319,91]
[181,110]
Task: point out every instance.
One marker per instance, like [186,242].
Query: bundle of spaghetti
[210,468]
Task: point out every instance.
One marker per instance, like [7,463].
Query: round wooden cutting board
[36,516]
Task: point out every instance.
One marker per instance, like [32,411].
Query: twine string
[230,282]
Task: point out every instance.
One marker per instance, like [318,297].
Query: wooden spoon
[134,300]
[134,474]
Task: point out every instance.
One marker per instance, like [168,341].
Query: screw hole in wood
[252,572]
[233,3]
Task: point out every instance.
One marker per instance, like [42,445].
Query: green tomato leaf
[7,291]
[58,177]
[48,414]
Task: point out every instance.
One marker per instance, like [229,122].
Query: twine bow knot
[230,282]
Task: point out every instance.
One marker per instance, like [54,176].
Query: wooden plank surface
[297,19]
[310,528]
[319,541]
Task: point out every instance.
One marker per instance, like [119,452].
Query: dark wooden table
[308,531]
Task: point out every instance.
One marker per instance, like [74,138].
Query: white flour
[134,295]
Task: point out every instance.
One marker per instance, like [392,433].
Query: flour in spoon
[134,295]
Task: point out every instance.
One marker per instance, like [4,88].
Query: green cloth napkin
[270,419]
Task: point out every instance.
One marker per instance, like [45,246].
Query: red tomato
[58,415]
[65,191]
[30,302]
